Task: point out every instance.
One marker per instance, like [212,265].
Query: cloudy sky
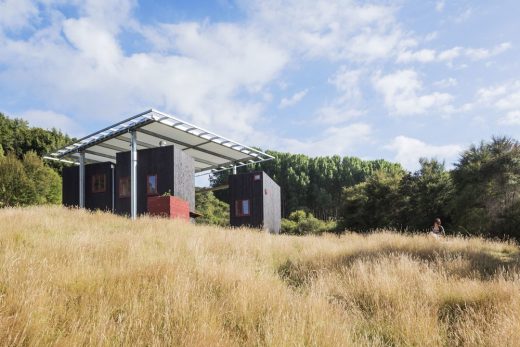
[395,80]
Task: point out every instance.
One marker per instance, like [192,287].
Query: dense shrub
[27,181]
[301,223]
[213,211]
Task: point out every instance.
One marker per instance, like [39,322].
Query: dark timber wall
[93,200]
[264,200]
[70,186]
[175,172]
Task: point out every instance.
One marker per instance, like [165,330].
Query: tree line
[312,184]
[480,195]
[24,178]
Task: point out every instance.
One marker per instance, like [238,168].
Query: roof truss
[210,151]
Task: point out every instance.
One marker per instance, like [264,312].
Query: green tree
[487,188]
[45,182]
[374,203]
[213,211]
[425,195]
[15,186]
[17,137]
[314,184]
[301,222]
[27,182]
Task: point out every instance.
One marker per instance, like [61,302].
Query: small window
[99,183]
[124,187]
[151,184]
[257,177]
[242,208]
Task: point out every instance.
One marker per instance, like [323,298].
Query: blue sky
[395,80]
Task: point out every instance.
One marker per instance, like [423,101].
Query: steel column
[112,169]
[82,179]
[133,175]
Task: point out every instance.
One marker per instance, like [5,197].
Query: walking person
[437,230]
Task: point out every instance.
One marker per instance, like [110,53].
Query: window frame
[93,187]
[120,193]
[239,208]
[148,192]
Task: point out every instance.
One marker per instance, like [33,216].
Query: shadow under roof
[211,152]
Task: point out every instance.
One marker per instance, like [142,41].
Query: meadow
[71,277]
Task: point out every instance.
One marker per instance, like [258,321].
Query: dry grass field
[70,278]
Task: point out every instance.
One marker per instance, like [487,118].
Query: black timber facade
[174,171]
[254,200]
[97,197]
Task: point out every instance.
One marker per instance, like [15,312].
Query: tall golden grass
[70,277]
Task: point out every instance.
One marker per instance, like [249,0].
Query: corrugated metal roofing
[210,151]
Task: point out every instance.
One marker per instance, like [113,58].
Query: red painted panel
[169,207]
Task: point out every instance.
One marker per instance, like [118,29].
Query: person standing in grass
[437,230]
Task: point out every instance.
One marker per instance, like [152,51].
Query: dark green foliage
[480,196]
[302,223]
[18,138]
[24,178]
[313,184]
[425,195]
[27,181]
[399,199]
[487,189]
[374,203]
[214,211]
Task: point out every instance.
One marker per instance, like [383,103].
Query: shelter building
[151,153]
[254,200]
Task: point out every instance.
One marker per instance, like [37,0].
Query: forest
[479,196]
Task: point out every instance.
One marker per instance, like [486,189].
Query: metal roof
[211,152]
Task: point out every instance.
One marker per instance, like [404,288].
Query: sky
[397,80]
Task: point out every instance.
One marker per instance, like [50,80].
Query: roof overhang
[210,151]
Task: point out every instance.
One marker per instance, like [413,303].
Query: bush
[27,182]
[213,211]
[301,222]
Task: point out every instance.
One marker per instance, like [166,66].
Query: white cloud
[511,118]
[431,36]
[16,14]
[439,5]
[503,99]
[334,140]
[293,100]
[401,92]
[446,82]
[76,66]
[331,29]
[345,105]
[410,150]
[448,55]
[95,44]
[422,56]
[49,119]
[481,53]
[346,82]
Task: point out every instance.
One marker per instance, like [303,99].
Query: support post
[112,169]
[133,175]
[82,179]
[234,169]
